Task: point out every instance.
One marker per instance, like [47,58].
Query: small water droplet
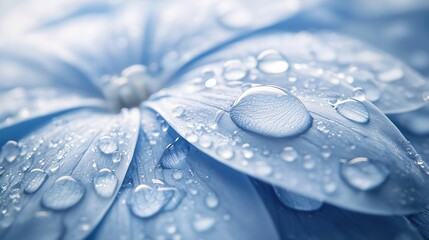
[211,200]
[202,224]
[270,111]
[107,145]
[105,182]
[177,174]
[297,201]
[178,111]
[353,110]
[363,173]
[272,62]
[234,70]
[205,141]
[210,83]
[145,201]
[225,152]
[34,180]
[175,154]
[63,194]
[289,154]
[10,151]
[359,94]
[116,157]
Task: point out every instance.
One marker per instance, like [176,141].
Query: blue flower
[213,120]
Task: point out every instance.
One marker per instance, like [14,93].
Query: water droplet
[10,151]
[297,201]
[116,157]
[63,194]
[205,141]
[202,224]
[211,200]
[289,154]
[210,83]
[178,111]
[263,168]
[177,174]
[234,70]
[107,145]
[105,182]
[175,154]
[353,110]
[34,180]
[272,62]
[225,152]
[146,201]
[270,111]
[363,173]
[359,94]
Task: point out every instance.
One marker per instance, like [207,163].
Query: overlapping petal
[61,180]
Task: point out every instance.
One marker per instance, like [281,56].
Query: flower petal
[330,222]
[207,25]
[210,201]
[348,149]
[62,179]
[387,82]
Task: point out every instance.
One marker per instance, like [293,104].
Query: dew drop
[145,201]
[63,194]
[353,110]
[107,145]
[363,173]
[234,70]
[289,154]
[177,174]
[211,200]
[105,182]
[270,111]
[202,224]
[34,180]
[297,201]
[116,157]
[10,151]
[205,141]
[272,62]
[225,152]
[175,154]
[232,15]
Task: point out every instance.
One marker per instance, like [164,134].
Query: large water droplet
[353,110]
[10,151]
[202,224]
[270,111]
[175,154]
[363,173]
[107,145]
[296,201]
[63,194]
[234,70]
[146,201]
[272,62]
[34,180]
[105,182]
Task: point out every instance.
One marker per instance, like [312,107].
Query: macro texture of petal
[346,147]
[60,180]
[335,59]
[173,191]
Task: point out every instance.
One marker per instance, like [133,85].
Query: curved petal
[324,56]
[330,222]
[207,25]
[25,104]
[210,201]
[349,154]
[61,180]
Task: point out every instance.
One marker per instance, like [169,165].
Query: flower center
[128,90]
